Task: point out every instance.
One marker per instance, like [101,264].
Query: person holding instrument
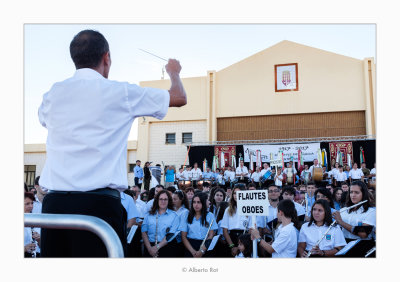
[197,226]
[181,207]
[233,224]
[285,243]
[160,221]
[310,233]
[362,215]
[88,118]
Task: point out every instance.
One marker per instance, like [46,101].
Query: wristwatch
[158,247]
[259,240]
[202,251]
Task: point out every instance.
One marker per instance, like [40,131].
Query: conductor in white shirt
[88,118]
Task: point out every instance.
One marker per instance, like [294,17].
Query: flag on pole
[362,158]
[298,159]
[319,155]
[325,158]
[204,165]
[222,159]
[251,165]
[233,161]
[349,160]
[258,160]
[280,155]
[214,164]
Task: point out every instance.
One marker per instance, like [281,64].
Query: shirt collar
[87,73]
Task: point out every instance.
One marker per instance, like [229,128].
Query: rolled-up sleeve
[43,110]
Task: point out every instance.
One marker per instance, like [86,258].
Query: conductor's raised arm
[177,92]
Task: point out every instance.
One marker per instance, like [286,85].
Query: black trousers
[135,247]
[137,182]
[196,245]
[79,243]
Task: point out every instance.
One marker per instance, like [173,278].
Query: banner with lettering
[228,151]
[308,151]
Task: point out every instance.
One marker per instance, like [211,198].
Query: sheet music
[213,242]
[347,247]
[131,233]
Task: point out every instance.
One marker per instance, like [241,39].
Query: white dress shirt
[240,170]
[256,176]
[358,217]
[187,174]
[356,174]
[88,119]
[285,244]
[196,174]
[341,176]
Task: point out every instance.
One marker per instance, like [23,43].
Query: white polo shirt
[341,176]
[256,176]
[313,233]
[285,244]
[358,217]
[88,119]
[187,174]
[355,174]
[235,222]
[240,170]
[196,174]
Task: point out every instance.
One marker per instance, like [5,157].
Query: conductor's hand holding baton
[177,92]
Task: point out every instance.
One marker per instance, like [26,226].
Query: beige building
[336,96]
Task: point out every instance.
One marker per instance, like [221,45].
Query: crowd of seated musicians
[181,221]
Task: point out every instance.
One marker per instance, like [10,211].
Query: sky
[198,47]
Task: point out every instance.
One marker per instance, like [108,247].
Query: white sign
[254,202]
[308,150]
[275,163]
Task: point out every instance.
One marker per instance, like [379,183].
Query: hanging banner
[339,152]
[228,151]
[308,151]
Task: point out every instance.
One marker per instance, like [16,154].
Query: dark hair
[288,189]
[152,193]
[310,183]
[129,192]
[334,193]
[144,194]
[182,196]
[87,49]
[172,189]
[251,185]
[365,196]
[155,206]
[37,180]
[245,239]
[25,188]
[221,212]
[327,209]
[289,210]
[29,195]
[203,199]
[212,196]
[232,202]
[326,193]
[189,189]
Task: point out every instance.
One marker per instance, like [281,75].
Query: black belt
[101,191]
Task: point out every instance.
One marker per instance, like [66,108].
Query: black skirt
[168,251]
[196,245]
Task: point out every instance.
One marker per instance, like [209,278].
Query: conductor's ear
[107,59]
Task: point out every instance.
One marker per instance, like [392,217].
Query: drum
[188,184]
[181,184]
[318,174]
[372,183]
[199,184]
[289,175]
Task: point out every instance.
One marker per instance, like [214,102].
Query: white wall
[37,159]
[173,154]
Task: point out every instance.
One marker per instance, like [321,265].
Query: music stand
[358,249]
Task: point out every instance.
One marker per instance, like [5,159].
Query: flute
[156,228]
[333,223]
[205,238]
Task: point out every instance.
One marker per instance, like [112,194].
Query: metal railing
[284,141]
[79,222]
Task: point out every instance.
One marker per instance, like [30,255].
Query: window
[170,138]
[29,175]
[187,137]
[131,167]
